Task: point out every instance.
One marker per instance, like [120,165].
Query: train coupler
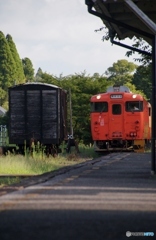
[139,146]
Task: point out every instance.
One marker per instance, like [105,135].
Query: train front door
[116,120]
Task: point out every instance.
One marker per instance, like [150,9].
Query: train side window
[135,106]
[99,107]
[116,109]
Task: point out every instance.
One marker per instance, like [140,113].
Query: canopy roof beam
[90,4]
[143,17]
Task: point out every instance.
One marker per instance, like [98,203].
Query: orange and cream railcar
[120,120]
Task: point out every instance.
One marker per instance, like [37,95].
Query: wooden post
[70,107]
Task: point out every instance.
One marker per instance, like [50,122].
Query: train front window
[99,107]
[135,106]
[116,109]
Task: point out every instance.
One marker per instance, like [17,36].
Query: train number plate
[116,96]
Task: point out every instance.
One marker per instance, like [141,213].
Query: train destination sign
[116,96]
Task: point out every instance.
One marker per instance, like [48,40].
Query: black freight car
[37,113]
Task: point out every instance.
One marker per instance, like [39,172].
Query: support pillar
[153,105]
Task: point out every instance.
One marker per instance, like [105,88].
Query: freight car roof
[36,83]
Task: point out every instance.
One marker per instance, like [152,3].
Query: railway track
[12,182]
[25,180]
[17,175]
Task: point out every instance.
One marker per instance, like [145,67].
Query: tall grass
[36,162]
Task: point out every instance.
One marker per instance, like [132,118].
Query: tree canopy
[19,73]
[13,70]
[7,68]
[28,69]
[121,72]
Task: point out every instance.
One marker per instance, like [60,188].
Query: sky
[59,36]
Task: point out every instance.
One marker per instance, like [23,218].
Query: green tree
[141,44]
[28,69]
[5,119]
[133,89]
[3,98]
[86,87]
[82,87]
[19,73]
[38,76]
[7,68]
[142,79]
[121,72]
[50,79]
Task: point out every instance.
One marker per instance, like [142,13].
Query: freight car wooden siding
[37,111]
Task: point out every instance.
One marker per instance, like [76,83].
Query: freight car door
[116,120]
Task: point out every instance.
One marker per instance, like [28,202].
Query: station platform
[110,197]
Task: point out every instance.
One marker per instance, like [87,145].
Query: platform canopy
[126,18]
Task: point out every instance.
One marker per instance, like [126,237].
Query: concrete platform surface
[112,197]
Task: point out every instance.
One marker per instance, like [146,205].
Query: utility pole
[70,107]
[71,141]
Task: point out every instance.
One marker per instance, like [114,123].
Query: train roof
[118,89]
[117,92]
[35,83]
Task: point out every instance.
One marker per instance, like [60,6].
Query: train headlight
[98,96]
[134,96]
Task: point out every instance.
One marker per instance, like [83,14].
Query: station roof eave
[127,18]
